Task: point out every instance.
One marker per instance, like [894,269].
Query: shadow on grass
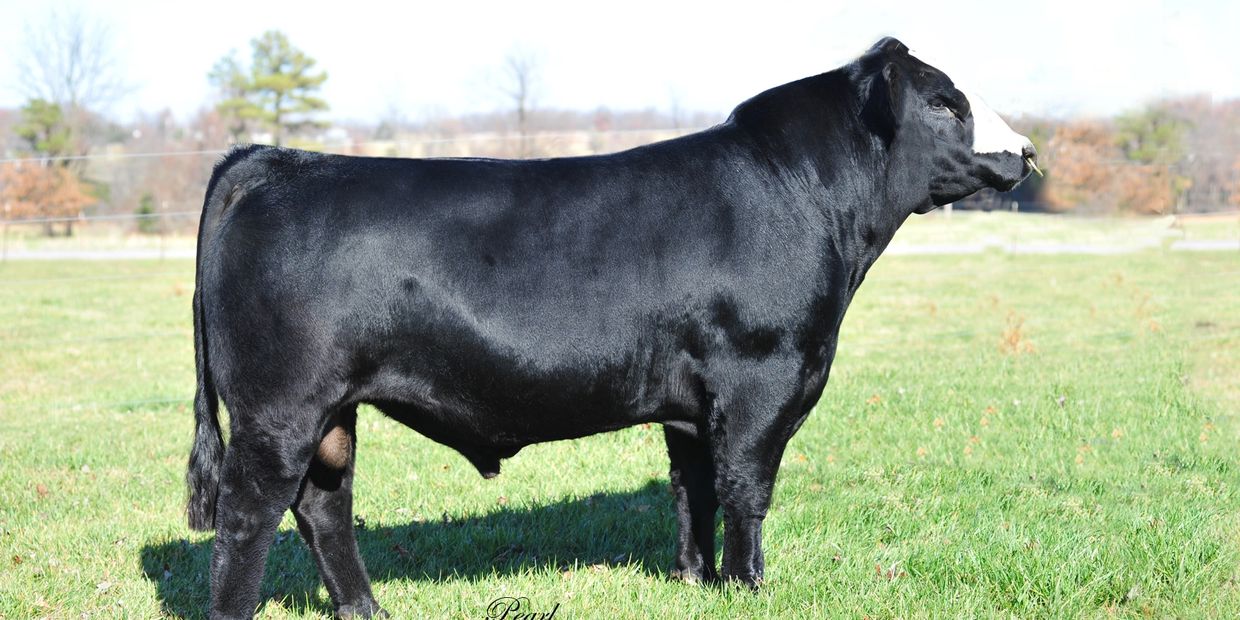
[634,528]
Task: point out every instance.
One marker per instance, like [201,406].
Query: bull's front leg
[748,437]
[693,483]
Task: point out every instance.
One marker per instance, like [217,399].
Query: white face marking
[990,133]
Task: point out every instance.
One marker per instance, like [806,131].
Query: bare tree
[68,58]
[520,84]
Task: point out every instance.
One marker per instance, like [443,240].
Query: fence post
[4,244]
[163,227]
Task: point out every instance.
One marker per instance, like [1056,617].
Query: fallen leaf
[890,574]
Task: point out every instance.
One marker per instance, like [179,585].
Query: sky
[420,60]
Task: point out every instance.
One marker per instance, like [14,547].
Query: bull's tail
[206,458]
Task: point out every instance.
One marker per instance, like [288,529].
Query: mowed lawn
[1030,436]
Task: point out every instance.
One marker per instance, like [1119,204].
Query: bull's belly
[488,385]
[487,413]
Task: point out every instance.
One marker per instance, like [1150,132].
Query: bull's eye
[941,108]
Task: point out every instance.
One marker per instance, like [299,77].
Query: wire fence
[115,217]
[356,146]
[107,156]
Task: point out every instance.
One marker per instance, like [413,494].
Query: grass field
[1030,436]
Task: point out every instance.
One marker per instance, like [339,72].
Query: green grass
[1003,228]
[1017,436]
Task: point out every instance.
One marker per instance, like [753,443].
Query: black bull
[698,283]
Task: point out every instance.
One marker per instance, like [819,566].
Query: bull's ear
[889,45]
[893,79]
[884,101]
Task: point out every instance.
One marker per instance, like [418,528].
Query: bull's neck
[810,135]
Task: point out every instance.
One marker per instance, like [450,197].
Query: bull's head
[948,138]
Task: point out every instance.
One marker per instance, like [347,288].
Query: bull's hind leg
[693,482]
[264,464]
[324,511]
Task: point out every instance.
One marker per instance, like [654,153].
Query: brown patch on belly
[336,448]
